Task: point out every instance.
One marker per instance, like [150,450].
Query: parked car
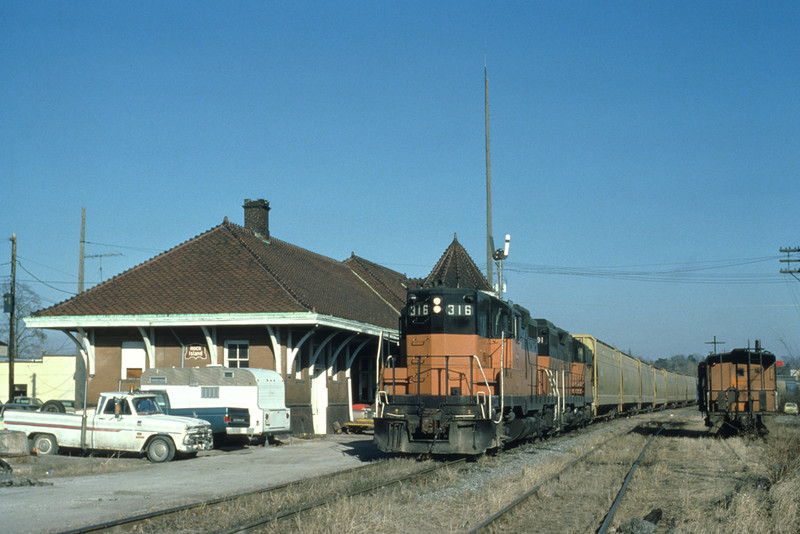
[790,408]
[22,403]
[28,401]
[59,406]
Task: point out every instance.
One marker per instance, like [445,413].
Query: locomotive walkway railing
[483,397]
[446,377]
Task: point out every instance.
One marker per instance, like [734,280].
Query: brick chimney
[256,216]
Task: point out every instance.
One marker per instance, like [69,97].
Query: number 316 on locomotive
[421,310]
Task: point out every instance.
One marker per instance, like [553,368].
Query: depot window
[237,354]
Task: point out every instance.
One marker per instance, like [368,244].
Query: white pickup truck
[129,422]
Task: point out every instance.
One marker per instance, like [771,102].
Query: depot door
[319,400]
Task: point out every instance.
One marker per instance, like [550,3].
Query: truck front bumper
[202,440]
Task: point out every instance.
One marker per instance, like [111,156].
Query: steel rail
[252,525]
[623,489]
[101,527]
[536,488]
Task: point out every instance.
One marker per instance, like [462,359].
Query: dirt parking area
[57,493]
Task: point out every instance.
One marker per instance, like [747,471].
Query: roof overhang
[222,319]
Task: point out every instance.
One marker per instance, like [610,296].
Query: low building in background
[50,377]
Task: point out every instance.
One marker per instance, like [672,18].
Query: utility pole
[489,240]
[82,370]
[11,331]
[81,256]
[790,260]
[715,343]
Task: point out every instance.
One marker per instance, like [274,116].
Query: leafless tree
[28,342]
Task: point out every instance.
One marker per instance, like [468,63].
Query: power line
[684,273]
[45,266]
[141,249]
[42,281]
[789,261]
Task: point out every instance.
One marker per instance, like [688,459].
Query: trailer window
[209,392]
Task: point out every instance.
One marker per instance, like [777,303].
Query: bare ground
[699,483]
[84,491]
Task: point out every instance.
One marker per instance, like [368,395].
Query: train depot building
[235,296]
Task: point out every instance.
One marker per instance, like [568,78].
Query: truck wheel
[53,406]
[45,444]
[160,449]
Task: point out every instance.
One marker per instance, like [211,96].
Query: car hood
[176,419]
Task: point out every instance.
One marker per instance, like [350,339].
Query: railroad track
[167,519]
[478,489]
[130,521]
[260,522]
[492,522]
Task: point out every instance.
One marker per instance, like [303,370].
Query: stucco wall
[50,378]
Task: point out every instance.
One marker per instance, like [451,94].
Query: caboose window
[740,372]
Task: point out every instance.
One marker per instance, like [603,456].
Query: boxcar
[606,377]
[660,400]
[648,386]
[631,382]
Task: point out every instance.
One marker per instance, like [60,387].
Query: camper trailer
[260,391]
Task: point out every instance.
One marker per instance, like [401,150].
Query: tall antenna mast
[489,240]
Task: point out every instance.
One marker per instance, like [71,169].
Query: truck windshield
[145,405]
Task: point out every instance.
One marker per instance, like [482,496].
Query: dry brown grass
[708,485]
[455,501]
[229,514]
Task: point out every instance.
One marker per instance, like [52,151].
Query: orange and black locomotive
[476,372]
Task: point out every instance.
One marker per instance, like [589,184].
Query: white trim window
[237,354]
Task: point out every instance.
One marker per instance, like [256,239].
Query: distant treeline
[680,363]
[687,365]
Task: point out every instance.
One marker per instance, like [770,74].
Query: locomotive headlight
[437,308]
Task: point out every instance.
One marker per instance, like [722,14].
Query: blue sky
[644,154]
